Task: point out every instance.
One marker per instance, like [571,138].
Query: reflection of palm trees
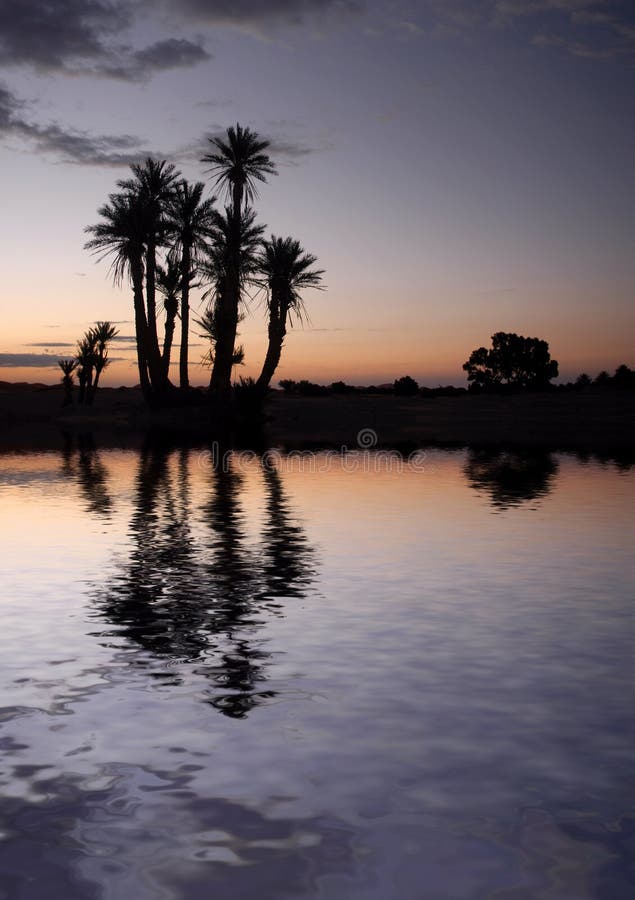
[86,468]
[511,477]
[286,567]
[193,594]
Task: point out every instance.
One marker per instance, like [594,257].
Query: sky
[459,167]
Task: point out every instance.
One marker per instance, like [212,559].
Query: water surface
[316,677]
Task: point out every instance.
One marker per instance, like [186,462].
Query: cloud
[88,36]
[83,36]
[27,360]
[595,29]
[51,35]
[172,53]
[258,12]
[69,144]
[51,344]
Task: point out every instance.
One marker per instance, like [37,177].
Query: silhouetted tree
[68,367]
[214,268]
[121,235]
[168,281]
[624,377]
[236,162]
[511,360]
[100,337]
[153,185]
[86,357]
[406,387]
[190,220]
[286,268]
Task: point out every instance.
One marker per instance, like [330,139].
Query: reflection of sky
[458,168]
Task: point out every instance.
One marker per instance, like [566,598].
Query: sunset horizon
[457,169]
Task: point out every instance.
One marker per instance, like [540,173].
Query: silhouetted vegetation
[303,388]
[237,162]
[286,268]
[401,387]
[163,235]
[405,387]
[623,379]
[90,361]
[513,361]
[68,367]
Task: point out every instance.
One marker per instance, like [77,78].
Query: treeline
[622,379]
[401,387]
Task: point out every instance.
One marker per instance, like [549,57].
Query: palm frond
[239,159]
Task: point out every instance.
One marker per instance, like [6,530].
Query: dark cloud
[88,36]
[596,29]
[51,344]
[70,145]
[246,12]
[27,360]
[81,36]
[53,35]
[172,53]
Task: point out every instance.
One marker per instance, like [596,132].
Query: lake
[323,675]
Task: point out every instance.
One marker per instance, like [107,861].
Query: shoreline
[587,421]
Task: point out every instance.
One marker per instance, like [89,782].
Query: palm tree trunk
[141,327]
[184,379]
[171,309]
[227,325]
[277,332]
[92,388]
[68,390]
[220,382]
[155,366]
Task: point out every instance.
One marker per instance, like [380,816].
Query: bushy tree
[406,387]
[523,362]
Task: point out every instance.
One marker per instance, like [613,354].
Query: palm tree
[237,162]
[208,323]
[68,367]
[190,220]
[169,284]
[100,336]
[214,267]
[286,267]
[153,186]
[86,357]
[121,235]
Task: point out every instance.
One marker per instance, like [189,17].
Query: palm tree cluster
[90,360]
[164,236]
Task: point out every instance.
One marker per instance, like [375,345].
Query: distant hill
[24,386]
